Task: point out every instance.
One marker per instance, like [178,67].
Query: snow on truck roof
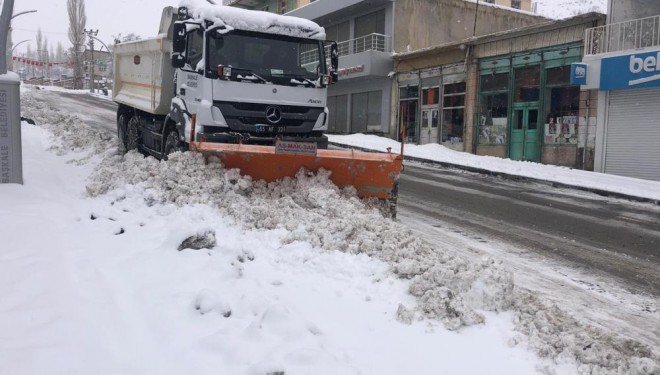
[252,20]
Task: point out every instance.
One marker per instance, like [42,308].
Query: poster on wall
[495,133]
[562,130]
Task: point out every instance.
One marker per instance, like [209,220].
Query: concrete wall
[424,23]
[533,40]
[625,10]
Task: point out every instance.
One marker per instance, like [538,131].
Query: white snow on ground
[617,184]
[296,277]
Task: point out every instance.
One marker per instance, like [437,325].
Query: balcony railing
[635,34]
[371,42]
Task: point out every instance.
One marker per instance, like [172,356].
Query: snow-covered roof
[252,20]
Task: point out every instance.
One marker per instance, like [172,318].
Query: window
[340,33]
[430,96]
[338,111]
[453,113]
[372,23]
[493,108]
[562,107]
[515,4]
[408,108]
[527,84]
[366,110]
[195,50]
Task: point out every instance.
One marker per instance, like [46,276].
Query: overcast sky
[110,17]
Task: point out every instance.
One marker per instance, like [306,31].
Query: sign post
[11,158]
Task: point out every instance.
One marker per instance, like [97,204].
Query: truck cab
[235,76]
[249,86]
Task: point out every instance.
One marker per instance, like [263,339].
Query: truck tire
[172,143]
[132,134]
[122,121]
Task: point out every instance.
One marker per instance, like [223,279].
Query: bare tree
[77,23]
[40,42]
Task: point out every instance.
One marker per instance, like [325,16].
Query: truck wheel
[121,133]
[172,144]
[132,134]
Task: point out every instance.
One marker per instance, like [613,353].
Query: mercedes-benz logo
[273,114]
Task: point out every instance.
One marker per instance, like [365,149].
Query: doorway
[525,141]
[429,126]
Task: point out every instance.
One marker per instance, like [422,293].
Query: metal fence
[635,34]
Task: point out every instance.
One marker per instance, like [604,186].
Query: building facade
[507,94]
[622,62]
[369,32]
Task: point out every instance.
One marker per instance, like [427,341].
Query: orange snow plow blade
[371,174]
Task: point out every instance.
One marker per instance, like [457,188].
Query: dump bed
[144,76]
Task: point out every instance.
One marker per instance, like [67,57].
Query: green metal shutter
[633,134]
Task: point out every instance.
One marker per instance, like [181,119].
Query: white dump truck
[221,74]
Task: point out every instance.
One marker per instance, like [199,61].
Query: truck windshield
[265,58]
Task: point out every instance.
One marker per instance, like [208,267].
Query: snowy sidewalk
[599,183]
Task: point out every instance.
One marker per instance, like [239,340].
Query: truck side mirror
[334,62]
[179,45]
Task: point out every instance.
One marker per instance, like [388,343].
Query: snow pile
[249,20]
[309,210]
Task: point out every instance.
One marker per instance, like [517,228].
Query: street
[595,256]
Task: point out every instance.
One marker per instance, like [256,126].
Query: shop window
[431,96]
[527,84]
[408,108]
[495,82]
[408,119]
[562,110]
[493,108]
[409,92]
[366,110]
[493,112]
[453,113]
[560,75]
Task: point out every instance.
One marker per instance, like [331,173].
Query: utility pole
[91,33]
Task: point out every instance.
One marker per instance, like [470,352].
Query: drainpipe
[586,141]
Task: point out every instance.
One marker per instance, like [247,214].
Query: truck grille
[244,117]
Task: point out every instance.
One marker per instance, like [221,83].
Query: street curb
[508,176]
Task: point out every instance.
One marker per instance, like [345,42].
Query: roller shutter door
[633,134]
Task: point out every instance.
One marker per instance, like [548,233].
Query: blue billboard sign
[630,72]
[578,74]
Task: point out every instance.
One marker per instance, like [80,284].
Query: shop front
[432,106]
[527,107]
[628,131]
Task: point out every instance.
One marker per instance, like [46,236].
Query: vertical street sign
[11,163]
